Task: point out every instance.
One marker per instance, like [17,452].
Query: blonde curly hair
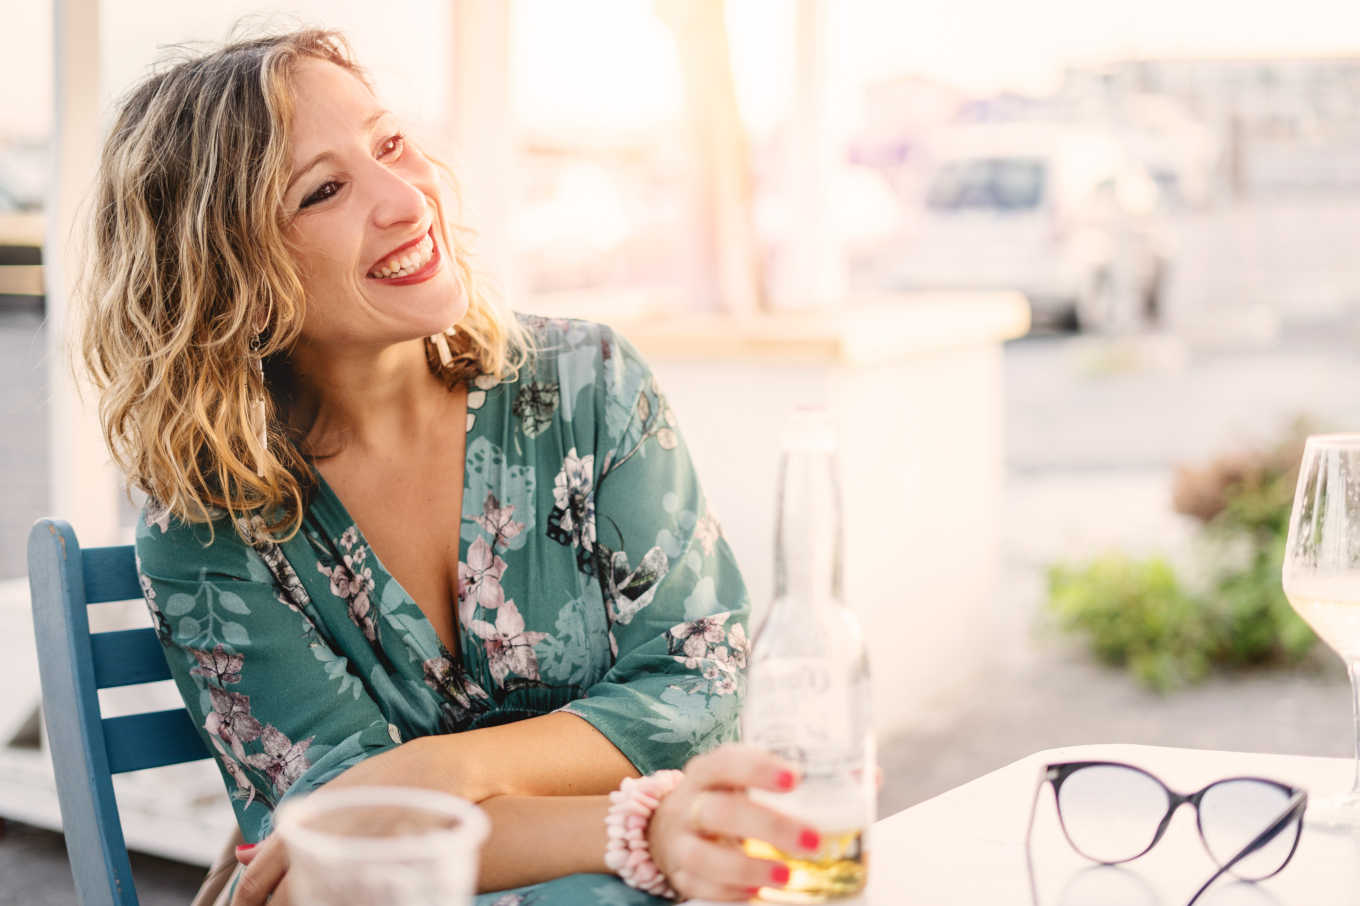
[190,279]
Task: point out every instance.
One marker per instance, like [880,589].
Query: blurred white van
[1066,217]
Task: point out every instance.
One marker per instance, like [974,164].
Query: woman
[379,548]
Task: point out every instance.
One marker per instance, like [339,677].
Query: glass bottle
[808,698]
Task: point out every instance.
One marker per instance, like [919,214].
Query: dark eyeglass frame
[1057,773]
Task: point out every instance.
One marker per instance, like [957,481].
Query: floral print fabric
[592,578]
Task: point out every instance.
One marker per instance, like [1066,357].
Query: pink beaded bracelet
[627,851]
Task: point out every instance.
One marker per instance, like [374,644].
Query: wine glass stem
[1353,668]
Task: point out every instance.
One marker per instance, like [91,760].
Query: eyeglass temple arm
[1044,778]
[1291,811]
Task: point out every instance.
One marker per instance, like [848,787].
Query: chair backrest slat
[127,657]
[87,749]
[110,574]
[151,740]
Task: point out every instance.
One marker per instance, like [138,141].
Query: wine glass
[1322,578]
[381,846]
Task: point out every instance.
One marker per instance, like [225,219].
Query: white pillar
[480,128]
[723,250]
[84,483]
[810,270]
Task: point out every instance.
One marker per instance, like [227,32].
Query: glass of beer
[1322,578]
[382,846]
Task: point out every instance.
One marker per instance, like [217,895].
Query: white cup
[381,846]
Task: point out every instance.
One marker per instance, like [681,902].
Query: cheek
[321,253]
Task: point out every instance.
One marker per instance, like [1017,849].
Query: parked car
[1065,217]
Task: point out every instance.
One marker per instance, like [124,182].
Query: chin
[452,312]
[430,308]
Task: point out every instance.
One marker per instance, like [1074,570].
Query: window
[991,183]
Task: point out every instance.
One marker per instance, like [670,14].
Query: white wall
[922,472]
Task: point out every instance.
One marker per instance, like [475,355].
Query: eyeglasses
[1112,812]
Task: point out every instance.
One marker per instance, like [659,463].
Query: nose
[395,200]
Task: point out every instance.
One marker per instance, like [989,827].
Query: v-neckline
[330,499]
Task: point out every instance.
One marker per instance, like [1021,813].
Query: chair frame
[88,749]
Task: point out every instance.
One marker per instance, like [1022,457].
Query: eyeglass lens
[1111,813]
[1233,812]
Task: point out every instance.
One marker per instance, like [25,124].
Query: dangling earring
[441,360]
[441,345]
[261,417]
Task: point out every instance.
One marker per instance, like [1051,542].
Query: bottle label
[806,711]
[800,708]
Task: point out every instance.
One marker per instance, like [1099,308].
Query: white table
[966,846]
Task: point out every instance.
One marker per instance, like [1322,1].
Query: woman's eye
[392,146]
[323,191]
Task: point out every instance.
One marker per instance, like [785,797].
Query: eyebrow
[328,155]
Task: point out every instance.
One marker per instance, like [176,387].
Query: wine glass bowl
[1321,577]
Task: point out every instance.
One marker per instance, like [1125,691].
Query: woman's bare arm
[556,754]
[539,838]
[695,834]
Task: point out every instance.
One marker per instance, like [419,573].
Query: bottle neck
[807,560]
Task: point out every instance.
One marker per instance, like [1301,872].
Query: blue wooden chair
[88,749]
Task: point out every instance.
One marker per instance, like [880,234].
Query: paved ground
[1043,691]
[33,872]
[1093,432]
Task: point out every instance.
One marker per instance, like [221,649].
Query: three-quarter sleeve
[674,598]
[272,700]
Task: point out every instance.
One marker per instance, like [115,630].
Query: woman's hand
[696,832]
[266,875]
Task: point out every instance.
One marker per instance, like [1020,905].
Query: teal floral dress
[592,579]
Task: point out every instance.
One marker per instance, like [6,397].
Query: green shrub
[1138,614]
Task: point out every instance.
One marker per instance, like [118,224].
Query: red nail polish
[810,839]
[785,780]
[780,874]
[244,848]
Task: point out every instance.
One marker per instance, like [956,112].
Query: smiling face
[367,220]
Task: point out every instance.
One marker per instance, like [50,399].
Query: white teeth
[408,262]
